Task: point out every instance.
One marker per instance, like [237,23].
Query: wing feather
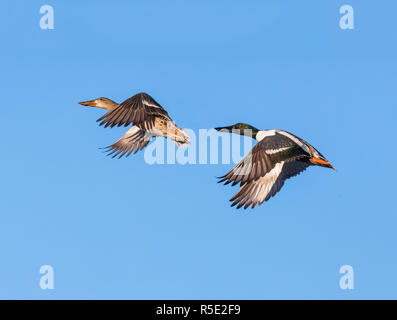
[140,109]
[258,191]
[133,140]
[263,158]
[262,173]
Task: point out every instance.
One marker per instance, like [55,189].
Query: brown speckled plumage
[147,117]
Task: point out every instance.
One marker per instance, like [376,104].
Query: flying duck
[148,119]
[278,156]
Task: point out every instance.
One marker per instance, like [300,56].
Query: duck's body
[279,155]
[147,117]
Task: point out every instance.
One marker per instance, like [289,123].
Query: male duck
[278,156]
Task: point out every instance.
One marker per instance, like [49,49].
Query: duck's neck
[108,105]
[249,132]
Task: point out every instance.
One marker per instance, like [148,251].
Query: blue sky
[122,229]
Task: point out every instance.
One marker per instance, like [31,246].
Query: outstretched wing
[140,110]
[273,149]
[262,189]
[134,139]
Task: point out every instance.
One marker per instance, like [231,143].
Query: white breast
[264,133]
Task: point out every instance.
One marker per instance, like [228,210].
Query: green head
[240,128]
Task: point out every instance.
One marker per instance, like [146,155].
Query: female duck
[148,119]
